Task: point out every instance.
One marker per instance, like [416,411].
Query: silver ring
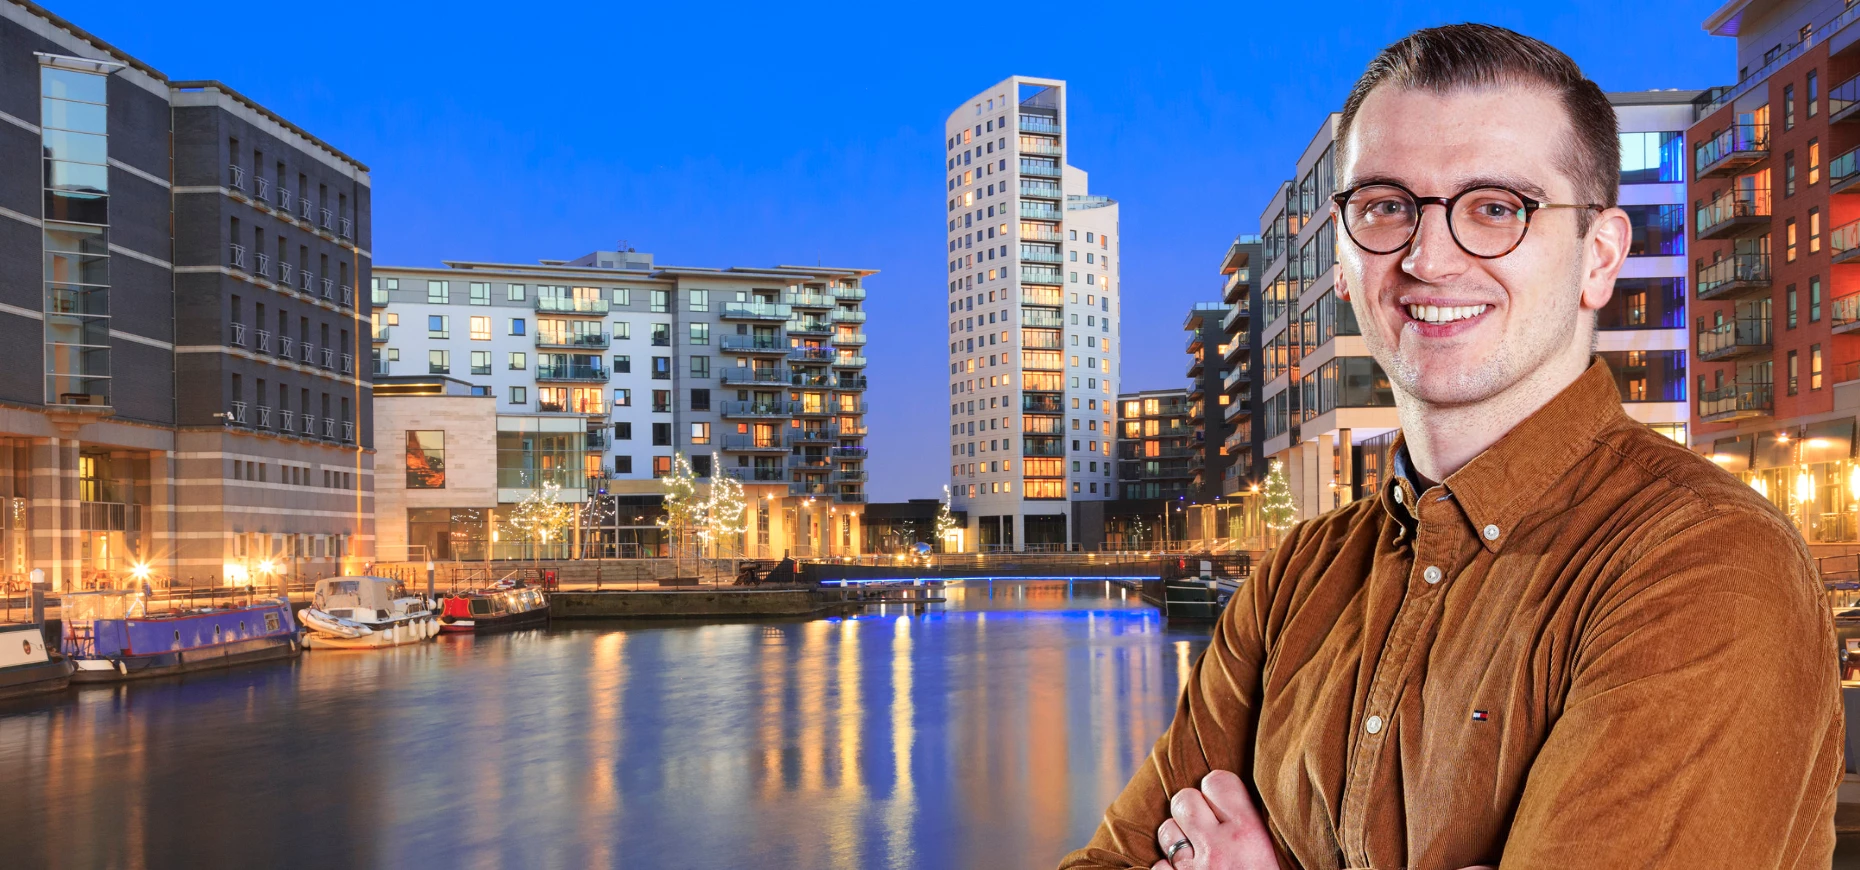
[1179,844]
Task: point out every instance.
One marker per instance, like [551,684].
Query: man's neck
[1441,439]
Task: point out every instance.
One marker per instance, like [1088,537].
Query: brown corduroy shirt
[1589,647]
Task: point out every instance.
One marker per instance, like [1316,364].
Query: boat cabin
[365,598]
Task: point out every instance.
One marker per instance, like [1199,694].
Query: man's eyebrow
[1518,183]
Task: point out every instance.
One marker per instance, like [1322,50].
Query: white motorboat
[366,613]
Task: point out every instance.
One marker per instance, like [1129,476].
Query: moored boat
[111,635]
[361,612]
[498,608]
[28,665]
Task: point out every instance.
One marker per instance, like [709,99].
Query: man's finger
[1170,834]
[1229,799]
[1192,812]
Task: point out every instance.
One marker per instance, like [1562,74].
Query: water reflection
[989,731]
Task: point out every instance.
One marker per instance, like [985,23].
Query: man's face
[1524,306]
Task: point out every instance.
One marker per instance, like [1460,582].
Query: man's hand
[1223,829]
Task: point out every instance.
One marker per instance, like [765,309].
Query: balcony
[285,346]
[1041,275]
[813,409]
[597,441]
[773,408]
[380,333]
[810,462]
[567,305]
[1042,189]
[849,362]
[808,489]
[1042,447]
[380,367]
[1844,172]
[1038,318]
[329,358]
[238,335]
[754,444]
[811,378]
[1039,124]
[851,454]
[1844,313]
[847,496]
[851,383]
[1735,277]
[327,217]
[771,375]
[1040,255]
[849,294]
[575,340]
[1040,146]
[844,408]
[264,341]
[1038,211]
[237,181]
[1844,243]
[753,344]
[848,315]
[758,474]
[816,355]
[810,326]
[849,476]
[849,339]
[1739,337]
[1844,101]
[806,437]
[808,300]
[236,257]
[1040,168]
[1736,401]
[329,429]
[1240,373]
[1734,213]
[1042,403]
[1237,408]
[755,311]
[1236,315]
[584,407]
[570,372]
[329,289]
[1040,233]
[1734,148]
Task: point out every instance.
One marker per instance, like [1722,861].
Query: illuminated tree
[945,522]
[725,515]
[684,510]
[540,518]
[1276,508]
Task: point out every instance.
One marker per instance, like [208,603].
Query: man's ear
[1608,243]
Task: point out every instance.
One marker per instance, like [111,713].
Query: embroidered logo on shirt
[1480,716]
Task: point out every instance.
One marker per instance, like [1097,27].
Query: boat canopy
[364,593]
[103,604]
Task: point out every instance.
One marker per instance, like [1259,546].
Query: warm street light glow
[267,566]
[140,570]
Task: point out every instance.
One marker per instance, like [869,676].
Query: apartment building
[1156,445]
[149,414]
[605,366]
[1246,465]
[1207,399]
[1033,313]
[1773,169]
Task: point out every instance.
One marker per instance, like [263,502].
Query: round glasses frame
[1530,206]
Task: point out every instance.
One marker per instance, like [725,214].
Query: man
[1554,638]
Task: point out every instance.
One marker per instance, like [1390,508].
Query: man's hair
[1454,56]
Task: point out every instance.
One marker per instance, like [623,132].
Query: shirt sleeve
[1213,728]
[1702,726]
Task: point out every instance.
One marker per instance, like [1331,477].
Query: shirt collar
[1506,481]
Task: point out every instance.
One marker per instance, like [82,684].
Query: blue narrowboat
[112,636]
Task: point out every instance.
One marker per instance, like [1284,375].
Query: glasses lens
[1380,218]
[1488,221]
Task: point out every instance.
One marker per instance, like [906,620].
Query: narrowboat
[27,665]
[111,635]
[498,608]
[366,613]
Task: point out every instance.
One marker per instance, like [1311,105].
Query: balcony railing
[1733,338]
[554,338]
[286,421]
[329,288]
[753,443]
[307,281]
[1039,233]
[1040,255]
[1040,146]
[773,408]
[309,421]
[1041,275]
[348,363]
[1844,313]
[264,265]
[1844,243]
[1042,447]
[810,325]
[847,453]
[568,305]
[754,344]
[286,273]
[1735,276]
[264,416]
[754,474]
[753,375]
[1038,211]
[1842,172]
[851,362]
[1842,100]
[849,294]
[325,213]
[264,341]
[380,367]
[812,436]
[755,311]
[238,334]
[380,333]
[851,382]
[348,431]
[237,256]
[347,228]
[1736,400]
[309,352]
[807,300]
[850,339]
[810,378]
[810,354]
[329,358]
[597,440]
[329,428]
[286,347]
[1734,213]
[1733,148]
[570,372]
[238,177]
[1043,168]
[284,200]
[236,414]
[303,209]
[848,315]
[1041,189]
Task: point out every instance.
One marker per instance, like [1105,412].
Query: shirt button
[1374,725]
[1431,575]
[1398,495]
[1491,533]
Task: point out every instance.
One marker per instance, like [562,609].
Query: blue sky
[715,134]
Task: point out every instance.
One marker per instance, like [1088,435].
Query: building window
[1814,161]
[700,367]
[1789,306]
[1814,92]
[623,364]
[661,368]
[438,362]
[700,333]
[480,328]
[1814,366]
[513,292]
[438,326]
[1788,107]
[518,326]
[661,465]
[1792,372]
[439,292]
[1788,174]
[700,433]
[661,301]
[426,459]
[623,465]
[622,330]
[700,400]
[623,398]
[519,395]
[480,362]
[1814,232]
[480,293]
[1789,240]
[661,434]
[661,334]
[700,300]
[662,401]
[1814,298]
[623,431]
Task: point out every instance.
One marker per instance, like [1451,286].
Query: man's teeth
[1438,314]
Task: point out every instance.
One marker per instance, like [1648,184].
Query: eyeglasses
[1487,222]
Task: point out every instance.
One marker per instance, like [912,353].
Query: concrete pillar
[53,511]
[1346,491]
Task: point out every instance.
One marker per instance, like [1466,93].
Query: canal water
[986,732]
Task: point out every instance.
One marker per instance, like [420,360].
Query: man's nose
[1433,256]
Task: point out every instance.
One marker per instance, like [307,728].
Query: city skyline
[472,158]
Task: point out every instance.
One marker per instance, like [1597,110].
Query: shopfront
[1809,472]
